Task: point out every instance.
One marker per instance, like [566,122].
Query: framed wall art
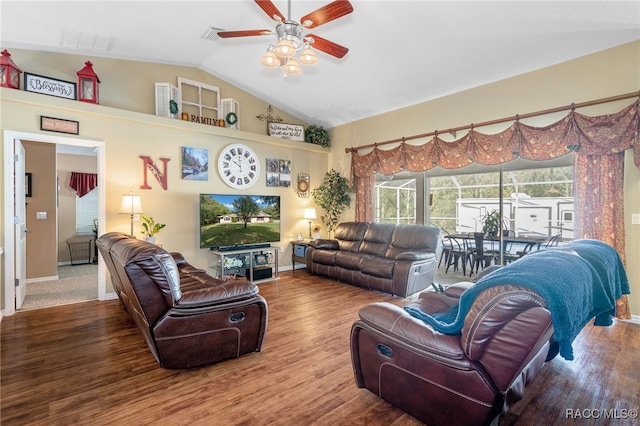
[49,86]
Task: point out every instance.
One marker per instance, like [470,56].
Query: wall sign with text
[287,131]
[49,86]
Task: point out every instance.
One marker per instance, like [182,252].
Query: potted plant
[333,197]
[317,135]
[491,223]
[150,228]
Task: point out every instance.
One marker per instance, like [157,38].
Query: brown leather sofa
[441,379]
[397,259]
[188,318]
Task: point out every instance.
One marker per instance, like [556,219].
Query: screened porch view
[535,202]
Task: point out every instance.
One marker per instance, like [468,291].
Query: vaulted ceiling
[400,52]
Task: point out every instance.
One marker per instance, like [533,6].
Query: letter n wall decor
[161,176]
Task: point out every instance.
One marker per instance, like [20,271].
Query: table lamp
[310,214]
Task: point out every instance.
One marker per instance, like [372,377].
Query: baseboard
[635,319]
[40,279]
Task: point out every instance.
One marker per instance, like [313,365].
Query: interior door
[20,221]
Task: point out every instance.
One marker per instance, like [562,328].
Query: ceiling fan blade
[328,13]
[270,9]
[327,46]
[243,33]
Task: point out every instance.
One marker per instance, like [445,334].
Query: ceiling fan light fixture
[308,57]
[270,59]
[292,67]
[285,49]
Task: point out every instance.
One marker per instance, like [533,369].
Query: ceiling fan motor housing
[291,31]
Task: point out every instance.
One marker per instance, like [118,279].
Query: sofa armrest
[184,266]
[208,294]
[396,322]
[415,255]
[324,244]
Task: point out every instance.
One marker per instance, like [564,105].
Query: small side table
[298,250]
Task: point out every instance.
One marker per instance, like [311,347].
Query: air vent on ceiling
[85,41]
[211,33]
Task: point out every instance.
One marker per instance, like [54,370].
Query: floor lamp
[130,204]
[310,214]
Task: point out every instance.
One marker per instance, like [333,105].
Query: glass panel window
[87,213]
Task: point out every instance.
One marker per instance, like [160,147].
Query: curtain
[598,142]
[83,183]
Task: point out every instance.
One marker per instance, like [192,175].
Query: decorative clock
[238,166]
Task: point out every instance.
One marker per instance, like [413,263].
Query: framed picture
[287,131]
[27,185]
[49,86]
[260,259]
[59,125]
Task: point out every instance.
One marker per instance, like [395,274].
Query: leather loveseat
[397,259]
[188,318]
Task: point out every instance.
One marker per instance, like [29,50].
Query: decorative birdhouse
[9,71]
[88,84]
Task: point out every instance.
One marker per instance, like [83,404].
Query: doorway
[11,242]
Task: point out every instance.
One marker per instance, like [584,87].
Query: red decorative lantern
[88,84]
[9,71]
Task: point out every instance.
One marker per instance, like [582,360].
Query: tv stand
[257,262]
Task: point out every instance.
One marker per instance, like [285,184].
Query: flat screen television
[233,220]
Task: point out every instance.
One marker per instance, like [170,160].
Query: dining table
[511,244]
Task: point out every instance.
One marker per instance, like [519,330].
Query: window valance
[83,183]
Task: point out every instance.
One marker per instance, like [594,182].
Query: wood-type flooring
[87,364]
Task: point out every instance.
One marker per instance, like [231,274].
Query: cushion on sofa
[377,266]
[348,259]
[376,239]
[350,234]
[168,264]
[324,257]
[410,237]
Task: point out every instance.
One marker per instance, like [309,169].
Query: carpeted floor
[75,284]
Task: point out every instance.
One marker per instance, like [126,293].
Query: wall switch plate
[635,219]
[41,215]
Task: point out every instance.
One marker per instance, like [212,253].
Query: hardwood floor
[87,363]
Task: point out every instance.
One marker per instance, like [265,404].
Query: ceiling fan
[291,37]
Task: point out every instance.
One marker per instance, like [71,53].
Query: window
[537,201]
[87,213]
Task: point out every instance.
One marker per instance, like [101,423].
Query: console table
[256,264]
[298,251]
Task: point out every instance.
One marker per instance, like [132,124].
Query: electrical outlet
[635,219]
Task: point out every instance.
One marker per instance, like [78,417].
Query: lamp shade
[270,59]
[130,204]
[285,49]
[292,67]
[310,213]
[308,57]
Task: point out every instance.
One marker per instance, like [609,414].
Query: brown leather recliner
[453,379]
[188,318]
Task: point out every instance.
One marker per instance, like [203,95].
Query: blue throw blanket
[575,289]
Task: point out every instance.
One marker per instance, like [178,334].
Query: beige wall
[42,260]
[608,73]
[128,86]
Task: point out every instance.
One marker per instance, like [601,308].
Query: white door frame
[9,192]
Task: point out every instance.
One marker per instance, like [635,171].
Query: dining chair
[479,255]
[459,254]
